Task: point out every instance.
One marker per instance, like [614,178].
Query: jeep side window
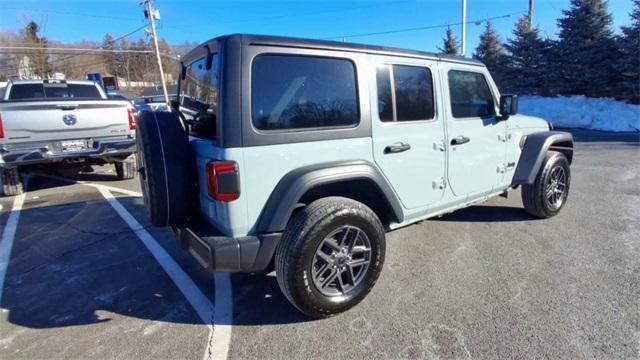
[405,93]
[470,95]
[298,92]
[199,92]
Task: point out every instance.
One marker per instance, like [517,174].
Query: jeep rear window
[405,93]
[302,92]
[199,93]
[470,95]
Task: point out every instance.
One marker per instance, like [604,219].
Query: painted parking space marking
[218,316]
[8,235]
[110,188]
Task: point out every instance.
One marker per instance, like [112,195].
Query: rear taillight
[1,128]
[133,118]
[223,180]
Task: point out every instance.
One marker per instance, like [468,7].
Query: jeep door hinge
[439,183]
[504,137]
[439,145]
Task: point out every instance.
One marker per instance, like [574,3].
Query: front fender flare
[534,150]
[287,193]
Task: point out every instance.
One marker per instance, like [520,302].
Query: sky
[74,20]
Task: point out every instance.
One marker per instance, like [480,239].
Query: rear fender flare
[292,187]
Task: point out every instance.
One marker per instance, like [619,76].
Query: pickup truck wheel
[11,181]
[166,168]
[548,194]
[125,170]
[330,256]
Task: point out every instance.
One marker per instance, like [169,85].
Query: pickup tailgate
[34,121]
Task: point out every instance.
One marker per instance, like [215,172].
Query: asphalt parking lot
[89,278]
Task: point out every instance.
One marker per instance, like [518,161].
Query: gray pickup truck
[61,123]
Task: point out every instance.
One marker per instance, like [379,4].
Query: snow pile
[578,111]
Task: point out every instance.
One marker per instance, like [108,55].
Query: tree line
[586,59]
[127,59]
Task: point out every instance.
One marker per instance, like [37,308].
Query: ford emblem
[69,119]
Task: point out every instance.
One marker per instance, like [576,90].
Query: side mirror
[508,106]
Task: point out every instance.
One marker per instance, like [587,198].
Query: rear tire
[548,194]
[11,181]
[125,170]
[330,256]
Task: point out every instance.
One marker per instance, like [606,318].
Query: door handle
[396,148]
[460,140]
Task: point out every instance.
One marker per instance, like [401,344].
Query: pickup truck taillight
[1,128]
[133,118]
[223,180]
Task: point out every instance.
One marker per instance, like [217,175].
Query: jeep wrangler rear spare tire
[165,165]
[11,181]
[330,256]
[548,194]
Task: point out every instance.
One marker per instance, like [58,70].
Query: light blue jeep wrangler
[309,151]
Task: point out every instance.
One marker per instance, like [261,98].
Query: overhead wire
[477,21]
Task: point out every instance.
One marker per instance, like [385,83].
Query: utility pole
[152,13]
[463,43]
[530,16]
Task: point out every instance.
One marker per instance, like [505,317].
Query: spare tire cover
[166,168]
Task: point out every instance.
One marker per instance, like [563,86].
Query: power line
[16,67]
[71,13]
[112,42]
[72,49]
[478,21]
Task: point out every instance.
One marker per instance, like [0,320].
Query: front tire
[330,256]
[548,194]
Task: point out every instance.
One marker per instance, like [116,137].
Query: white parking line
[218,316]
[9,233]
[110,188]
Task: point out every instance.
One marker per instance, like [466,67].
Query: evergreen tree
[449,43]
[628,63]
[586,49]
[491,52]
[110,58]
[527,71]
[38,58]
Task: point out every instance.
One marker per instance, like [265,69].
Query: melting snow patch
[578,111]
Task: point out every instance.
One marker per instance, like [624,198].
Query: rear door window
[303,92]
[405,93]
[470,95]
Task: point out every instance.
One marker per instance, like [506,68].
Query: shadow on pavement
[486,213]
[78,264]
[581,135]
[258,300]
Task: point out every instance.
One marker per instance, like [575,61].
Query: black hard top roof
[335,45]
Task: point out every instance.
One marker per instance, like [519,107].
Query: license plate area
[70,146]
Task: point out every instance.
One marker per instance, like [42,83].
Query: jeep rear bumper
[216,252]
[50,152]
